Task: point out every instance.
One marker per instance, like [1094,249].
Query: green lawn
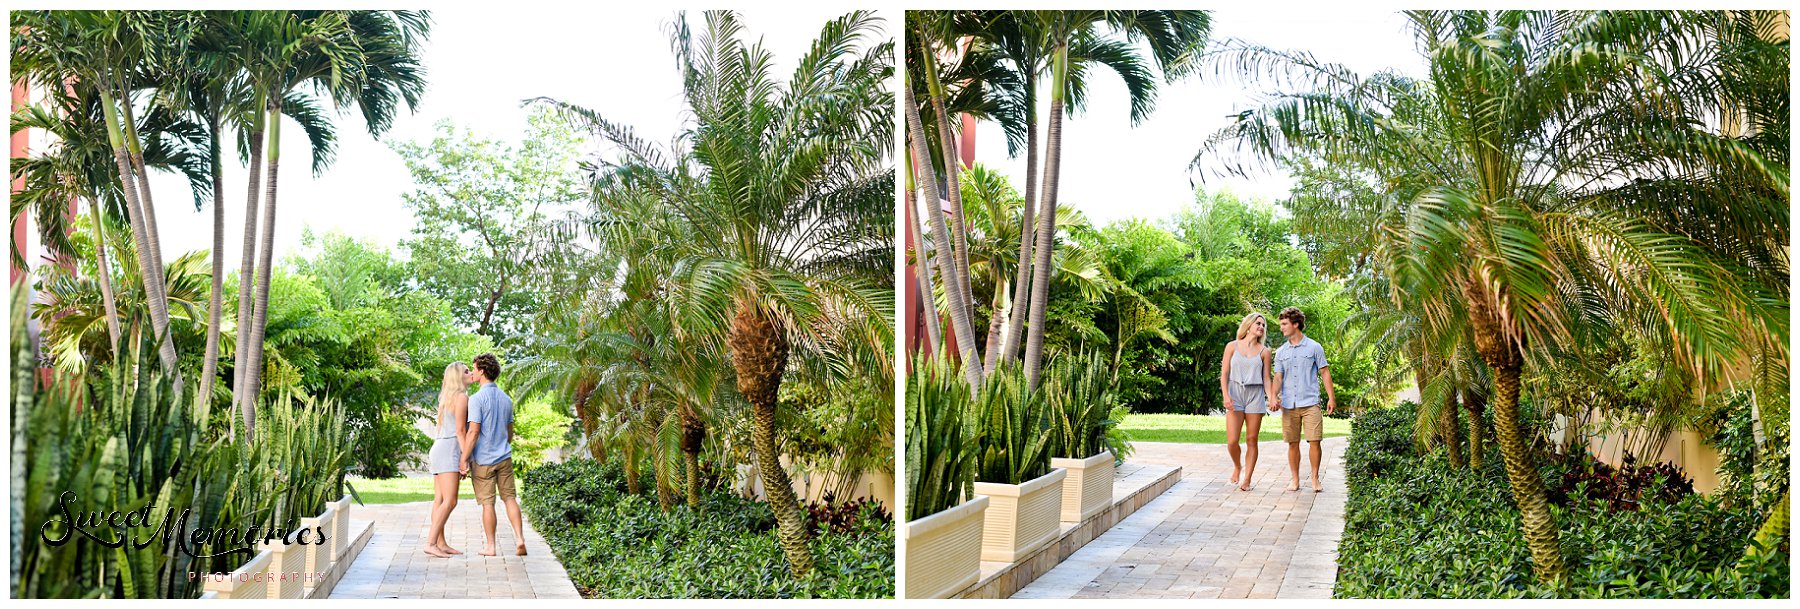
[399,490]
[1207,429]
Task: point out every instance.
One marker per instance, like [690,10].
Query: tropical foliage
[1565,204]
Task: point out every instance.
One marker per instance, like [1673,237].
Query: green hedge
[1414,528]
[616,545]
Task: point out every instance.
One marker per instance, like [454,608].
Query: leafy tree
[487,212]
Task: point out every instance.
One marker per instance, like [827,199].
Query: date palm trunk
[1474,404]
[590,425]
[1451,424]
[759,352]
[693,435]
[1505,358]
[940,235]
[1046,231]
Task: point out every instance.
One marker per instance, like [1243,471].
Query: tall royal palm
[791,185]
[1523,172]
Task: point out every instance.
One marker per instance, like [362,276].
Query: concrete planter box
[340,537]
[248,581]
[943,550]
[286,573]
[1089,486]
[1021,517]
[319,556]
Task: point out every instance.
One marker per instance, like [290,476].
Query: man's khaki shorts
[1293,422]
[490,480]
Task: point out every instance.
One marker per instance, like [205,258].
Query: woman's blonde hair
[454,385]
[1244,326]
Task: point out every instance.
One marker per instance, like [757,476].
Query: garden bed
[617,545]
[1414,528]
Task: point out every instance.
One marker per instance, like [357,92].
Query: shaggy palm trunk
[693,435]
[240,398]
[215,299]
[590,425]
[104,274]
[265,262]
[1451,426]
[1474,404]
[940,235]
[1046,231]
[632,485]
[759,352]
[934,335]
[156,302]
[1504,358]
[1009,344]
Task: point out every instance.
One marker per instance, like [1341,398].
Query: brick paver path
[1204,539]
[392,566]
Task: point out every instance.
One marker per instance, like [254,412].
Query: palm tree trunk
[156,303]
[240,398]
[1452,431]
[996,321]
[590,425]
[934,334]
[1505,360]
[759,352]
[1009,349]
[940,235]
[632,485]
[953,184]
[1046,231]
[216,299]
[692,462]
[265,267]
[693,434]
[107,299]
[136,148]
[1473,405]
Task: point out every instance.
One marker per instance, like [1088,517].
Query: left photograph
[452,304]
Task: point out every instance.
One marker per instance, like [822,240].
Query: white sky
[481,62]
[1111,170]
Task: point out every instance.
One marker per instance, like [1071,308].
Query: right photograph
[1345,303]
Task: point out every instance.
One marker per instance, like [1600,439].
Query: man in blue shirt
[1299,366]
[490,451]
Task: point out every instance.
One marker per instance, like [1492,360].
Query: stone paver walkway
[1204,539]
[392,566]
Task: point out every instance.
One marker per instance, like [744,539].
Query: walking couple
[1295,370]
[474,440]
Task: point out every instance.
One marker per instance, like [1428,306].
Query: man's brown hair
[489,366]
[1293,315]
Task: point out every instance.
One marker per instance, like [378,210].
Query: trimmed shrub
[617,545]
[1415,528]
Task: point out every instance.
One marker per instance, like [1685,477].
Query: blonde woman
[447,456]
[1243,377]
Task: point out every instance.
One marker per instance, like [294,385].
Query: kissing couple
[474,440]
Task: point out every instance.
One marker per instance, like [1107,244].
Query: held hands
[1274,404]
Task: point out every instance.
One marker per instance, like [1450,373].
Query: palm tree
[1520,173]
[366,58]
[1174,39]
[792,184]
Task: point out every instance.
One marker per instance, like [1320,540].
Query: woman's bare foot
[1246,486]
[445,548]
[488,551]
[1294,486]
[1316,487]
[1234,474]
[521,549]
[433,552]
